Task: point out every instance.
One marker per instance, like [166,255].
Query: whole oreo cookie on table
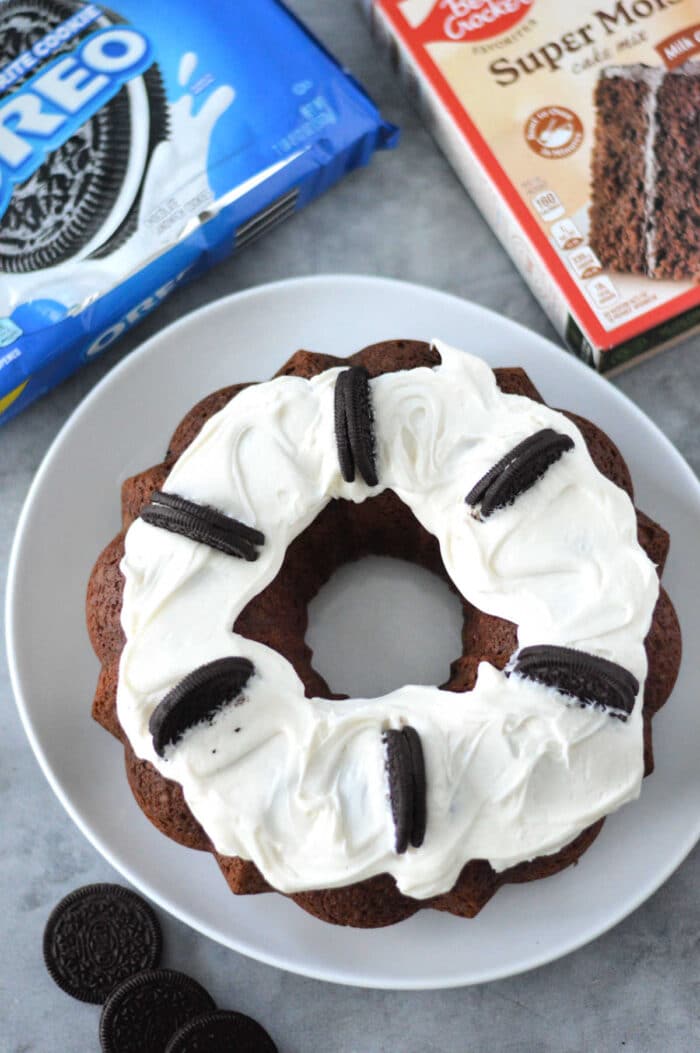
[97,937]
[223,1031]
[86,193]
[437,792]
[145,1011]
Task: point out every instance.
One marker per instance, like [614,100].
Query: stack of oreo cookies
[102,944]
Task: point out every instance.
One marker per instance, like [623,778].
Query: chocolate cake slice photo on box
[645,210]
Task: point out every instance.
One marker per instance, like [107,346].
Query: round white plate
[73,509]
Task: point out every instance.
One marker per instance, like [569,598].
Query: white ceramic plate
[73,509]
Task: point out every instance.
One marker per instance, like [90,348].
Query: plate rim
[131,361]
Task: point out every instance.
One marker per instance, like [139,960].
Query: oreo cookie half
[196,698]
[203,524]
[354,425]
[97,937]
[145,1011]
[419,814]
[586,677]
[342,440]
[220,1032]
[518,470]
[407,786]
[87,192]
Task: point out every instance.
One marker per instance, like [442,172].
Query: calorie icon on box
[548,205]
[566,234]
[585,263]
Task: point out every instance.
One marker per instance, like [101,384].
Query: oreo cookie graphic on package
[140,144]
[83,197]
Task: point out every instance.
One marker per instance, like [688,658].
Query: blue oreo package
[140,144]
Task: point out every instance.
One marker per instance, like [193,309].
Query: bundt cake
[365,811]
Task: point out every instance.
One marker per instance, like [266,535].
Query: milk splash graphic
[175,189]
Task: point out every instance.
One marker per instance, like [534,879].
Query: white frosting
[651,168]
[514,769]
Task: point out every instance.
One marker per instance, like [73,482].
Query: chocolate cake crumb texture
[197,698]
[518,470]
[590,679]
[145,1011]
[354,426]
[221,1032]
[645,210]
[203,524]
[98,936]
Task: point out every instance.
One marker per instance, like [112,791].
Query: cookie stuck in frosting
[204,524]
[354,431]
[593,680]
[197,698]
[518,470]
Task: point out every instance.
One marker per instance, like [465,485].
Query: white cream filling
[514,770]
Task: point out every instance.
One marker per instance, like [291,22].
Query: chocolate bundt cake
[365,811]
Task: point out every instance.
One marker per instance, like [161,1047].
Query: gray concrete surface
[638,987]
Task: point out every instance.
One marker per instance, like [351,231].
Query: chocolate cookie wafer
[98,936]
[518,470]
[145,1011]
[204,524]
[405,767]
[196,698]
[586,677]
[342,439]
[85,195]
[419,814]
[354,425]
[220,1031]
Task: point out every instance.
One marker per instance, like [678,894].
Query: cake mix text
[622,15]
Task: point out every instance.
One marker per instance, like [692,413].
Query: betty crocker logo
[464,20]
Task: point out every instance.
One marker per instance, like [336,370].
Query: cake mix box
[576,129]
[142,142]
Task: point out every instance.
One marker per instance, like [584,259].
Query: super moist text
[621,16]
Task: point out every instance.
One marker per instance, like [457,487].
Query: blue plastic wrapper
[140,143]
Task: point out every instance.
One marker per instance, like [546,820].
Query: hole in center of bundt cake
[381,623]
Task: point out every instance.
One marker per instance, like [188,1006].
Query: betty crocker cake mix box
[576,129]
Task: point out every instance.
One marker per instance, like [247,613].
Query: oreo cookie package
[139,145]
